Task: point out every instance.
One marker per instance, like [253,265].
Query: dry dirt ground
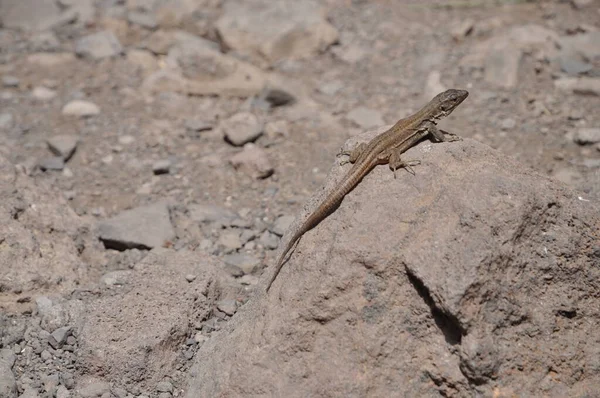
[191,133]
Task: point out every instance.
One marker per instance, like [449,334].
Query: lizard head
[448,100]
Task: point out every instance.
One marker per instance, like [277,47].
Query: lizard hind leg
[395,163]
[354,154]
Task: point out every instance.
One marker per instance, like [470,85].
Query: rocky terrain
[153,154]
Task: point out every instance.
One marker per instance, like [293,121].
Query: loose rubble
[155,155]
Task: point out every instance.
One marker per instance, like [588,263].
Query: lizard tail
[289,246]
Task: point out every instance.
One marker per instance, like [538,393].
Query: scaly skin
[386,148]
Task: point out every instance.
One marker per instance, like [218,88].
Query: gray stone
[59,337]
[278,128]
[6,121]
[450,270]
[53,315]
[502,64]
[29,392]
[53,163]
[81,108]
[98,45]
[126,139]
[253,161]
[282,224]
[198,125]
[174,13]
[277,97]
[119,392]
[164,386]
[62,392]
[230,240]
[462,29]
[581,3]
[587,136]
[43,94]
[233,270]
[579,85]
[584,45]
[212,213]
[241,128]
[269,240]
[574,67]
[84,9]
[116,278]
[44,42]
[94,389]
[29,14]
[63,145]
[245,262]
[508,124]
[8,384]
[217,74]
[162,166]
[13,330]
[135,334]
[144,227]
[241,223]
[365,117]
[331,88]
[143,19]
[46,355]
[10,81]
[50,383]
[275,30]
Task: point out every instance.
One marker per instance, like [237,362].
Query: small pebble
[198,125]
[282,224]
[43,94]
[46,356]
[164,386]
[587,136]
[508,124]
[81,108]
[227,306]
[241,128]
[10,81]
[161,167]
[6,121]
[53,163]
[126,139]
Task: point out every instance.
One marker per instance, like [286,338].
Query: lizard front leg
[354,154]
[441,135]
[395,162]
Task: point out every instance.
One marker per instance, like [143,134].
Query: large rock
[98,45]
[30,14]
[195,66]
[43,243]
[135,336]
[143,227]
[476,276]
[276,30]
[500,55]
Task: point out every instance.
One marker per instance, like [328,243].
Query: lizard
[386,148]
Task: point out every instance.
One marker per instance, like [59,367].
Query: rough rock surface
[276,30]
[135,336]
[144,227]
[476,276]
[41,238]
